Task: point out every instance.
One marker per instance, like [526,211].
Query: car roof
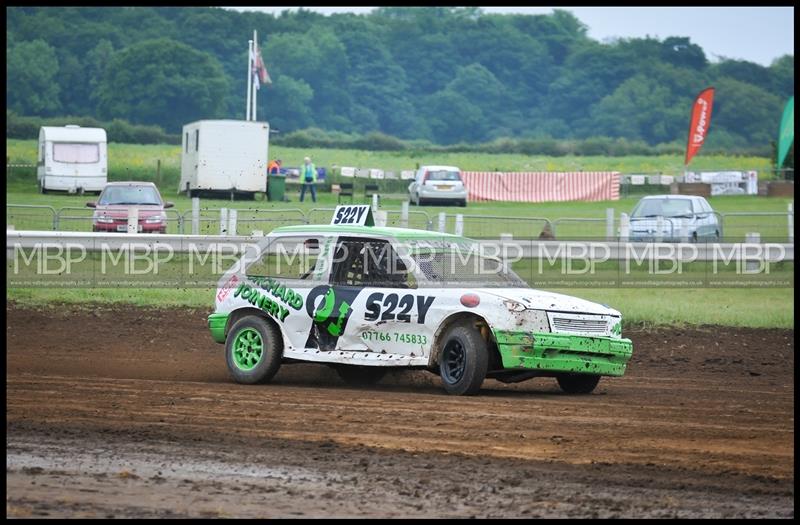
[131,183]
[673,197]
[436,167]
[379,231]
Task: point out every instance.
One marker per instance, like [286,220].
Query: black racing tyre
[360,375]
[253,350]
[464,360]
[577,383]
[463,204]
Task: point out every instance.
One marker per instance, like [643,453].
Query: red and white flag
[260,75]
[262,70]
[699,123]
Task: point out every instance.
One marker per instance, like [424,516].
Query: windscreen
[141,195]
[443,175]
[663,208]
[449,264]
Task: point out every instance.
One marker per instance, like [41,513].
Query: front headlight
[103,219]
[514,306]
[155,219]
[537,320]
[616,330]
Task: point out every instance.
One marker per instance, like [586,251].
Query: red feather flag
[698,125]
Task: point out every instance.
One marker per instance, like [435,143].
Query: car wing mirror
[91,204]
[168,204]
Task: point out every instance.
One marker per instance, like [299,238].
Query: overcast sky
[757,34]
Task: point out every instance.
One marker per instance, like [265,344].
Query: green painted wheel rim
[248,347]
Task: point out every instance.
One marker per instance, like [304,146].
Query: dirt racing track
[126,412]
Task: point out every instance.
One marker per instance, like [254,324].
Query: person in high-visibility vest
[308,176]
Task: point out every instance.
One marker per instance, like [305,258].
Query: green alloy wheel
[253,350]
[248,348]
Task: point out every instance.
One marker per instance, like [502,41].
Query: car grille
[583,326]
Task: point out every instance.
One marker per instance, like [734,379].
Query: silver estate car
[677,212]
[442,184]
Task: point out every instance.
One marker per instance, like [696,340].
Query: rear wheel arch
[462,318]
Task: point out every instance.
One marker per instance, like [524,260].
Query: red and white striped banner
[542,186]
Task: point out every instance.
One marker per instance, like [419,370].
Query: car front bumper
[691,236]
[651,237]
[217,324]
[552,352]
[121,227]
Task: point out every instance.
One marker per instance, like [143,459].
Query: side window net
[368,263]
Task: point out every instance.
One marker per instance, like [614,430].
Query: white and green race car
[365,299]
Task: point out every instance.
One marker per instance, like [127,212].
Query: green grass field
[724,306]
[481,219]
[140,160]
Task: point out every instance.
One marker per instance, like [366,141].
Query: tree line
[439,75]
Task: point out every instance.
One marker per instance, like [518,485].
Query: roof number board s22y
[360,215]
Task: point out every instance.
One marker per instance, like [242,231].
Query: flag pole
[255,58]
[249,78]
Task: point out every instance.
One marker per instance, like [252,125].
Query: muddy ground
[127,412]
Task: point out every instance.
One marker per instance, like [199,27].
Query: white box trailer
[224,155]
[72,158]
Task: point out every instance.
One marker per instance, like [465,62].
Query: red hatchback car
[117,198]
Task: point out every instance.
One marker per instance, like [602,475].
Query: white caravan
[224,155]
[72,158]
